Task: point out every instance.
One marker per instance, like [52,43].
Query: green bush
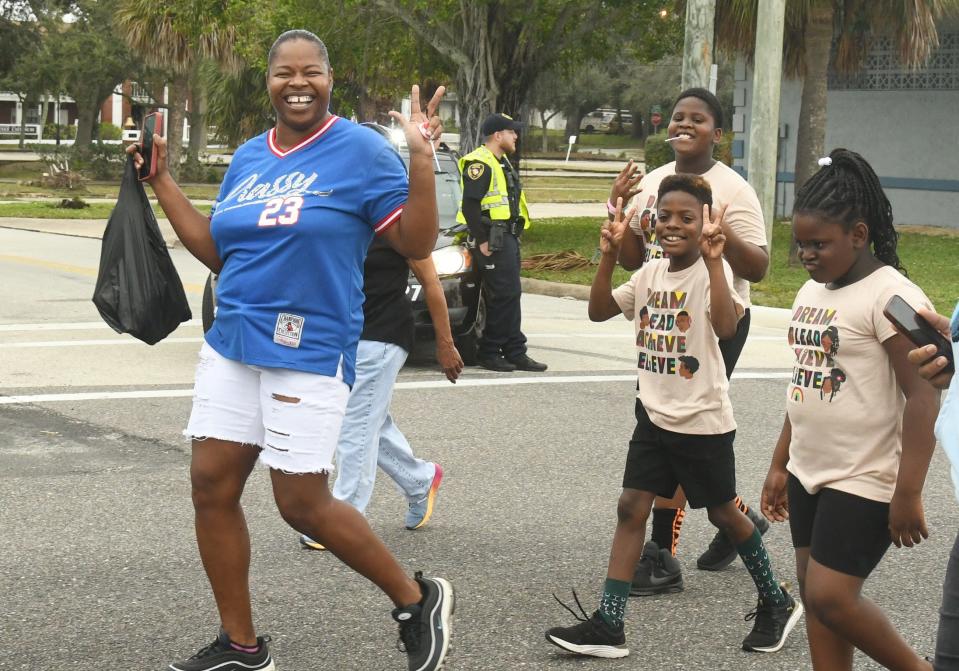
[199,173]
[110,132]
[67,131]
[98,161]
[724,150]
[658,151]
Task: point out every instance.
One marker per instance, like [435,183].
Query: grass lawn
[928,254]
[10,189]
[34,210]
[567,189]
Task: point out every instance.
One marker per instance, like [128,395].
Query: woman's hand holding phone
[159,152]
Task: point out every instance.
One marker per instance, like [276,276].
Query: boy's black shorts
[844,532]
[660,460]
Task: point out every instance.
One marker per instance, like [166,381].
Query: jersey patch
[289,330]
[476,170]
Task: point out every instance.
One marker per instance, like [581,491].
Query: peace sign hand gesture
[712,241]
[421,129]
[611,235]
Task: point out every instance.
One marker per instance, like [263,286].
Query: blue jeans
[370,438]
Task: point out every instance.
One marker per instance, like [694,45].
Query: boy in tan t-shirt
[685,426]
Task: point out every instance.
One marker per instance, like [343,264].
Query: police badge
[475,171]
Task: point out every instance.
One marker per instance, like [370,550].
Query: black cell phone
[152,123]
[917,329]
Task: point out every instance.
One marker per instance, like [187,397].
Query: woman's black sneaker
[591,637]
[222,656]
[425,627]
[772,624]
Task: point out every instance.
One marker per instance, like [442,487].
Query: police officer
[494,209]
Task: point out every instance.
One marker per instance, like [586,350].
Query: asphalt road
[99,568]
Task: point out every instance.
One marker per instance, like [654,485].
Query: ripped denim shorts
[292,416]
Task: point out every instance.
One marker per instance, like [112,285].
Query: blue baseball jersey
[292,228]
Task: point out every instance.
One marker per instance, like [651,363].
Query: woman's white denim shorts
[295,417]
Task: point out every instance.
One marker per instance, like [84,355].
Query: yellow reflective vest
[495,204]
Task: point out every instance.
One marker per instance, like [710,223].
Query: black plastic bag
[138,289]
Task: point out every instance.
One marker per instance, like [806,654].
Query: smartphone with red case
[911,324]
[152,123]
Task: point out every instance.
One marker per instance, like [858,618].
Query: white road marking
[73,326]
[90,343]
[424,384]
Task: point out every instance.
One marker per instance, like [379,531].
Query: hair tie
[824,161]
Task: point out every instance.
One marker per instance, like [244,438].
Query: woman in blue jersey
[288,235]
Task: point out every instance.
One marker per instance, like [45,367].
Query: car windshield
[447,199]
[448,193]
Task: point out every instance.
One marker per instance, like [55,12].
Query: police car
[451,256]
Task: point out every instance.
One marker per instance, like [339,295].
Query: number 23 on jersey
[281,211]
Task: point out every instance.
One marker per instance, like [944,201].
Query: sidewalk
[93,228]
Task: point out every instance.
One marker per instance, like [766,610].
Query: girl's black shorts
[844,532]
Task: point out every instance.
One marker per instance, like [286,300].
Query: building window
[883,71]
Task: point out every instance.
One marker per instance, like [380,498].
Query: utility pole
[698,44]
[764,110]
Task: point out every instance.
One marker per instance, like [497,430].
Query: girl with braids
[849,468]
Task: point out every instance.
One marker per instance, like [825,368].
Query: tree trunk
[87,111]
[179,92]
[543,121]
[198,108]
[573,118]
[811,134]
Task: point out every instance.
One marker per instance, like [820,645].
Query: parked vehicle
[451,256]
[607,120]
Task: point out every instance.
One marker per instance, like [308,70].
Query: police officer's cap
[497,122]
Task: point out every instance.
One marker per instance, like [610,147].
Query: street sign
[656,118]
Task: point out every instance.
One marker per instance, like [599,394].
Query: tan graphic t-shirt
[743,213]
[682,377]
[843,400]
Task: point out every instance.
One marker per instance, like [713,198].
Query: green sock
[756,559]
[613,606]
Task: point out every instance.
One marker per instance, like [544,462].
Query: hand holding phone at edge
[159,146]
[932,368]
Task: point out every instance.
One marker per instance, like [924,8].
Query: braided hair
[848,191]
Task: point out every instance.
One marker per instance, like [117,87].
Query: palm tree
[812,28]
[179,36]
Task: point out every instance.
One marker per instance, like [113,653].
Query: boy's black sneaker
[658,572]
[425,627]
[772,624]
[221,656]
[721,551]
[591,637]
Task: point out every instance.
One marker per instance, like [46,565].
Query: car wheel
[589,129]
[468,343]
[208,308]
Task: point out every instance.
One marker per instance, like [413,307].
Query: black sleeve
[476,181]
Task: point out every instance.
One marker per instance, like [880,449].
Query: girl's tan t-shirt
[843,401]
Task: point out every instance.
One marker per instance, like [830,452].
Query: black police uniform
[500,271]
